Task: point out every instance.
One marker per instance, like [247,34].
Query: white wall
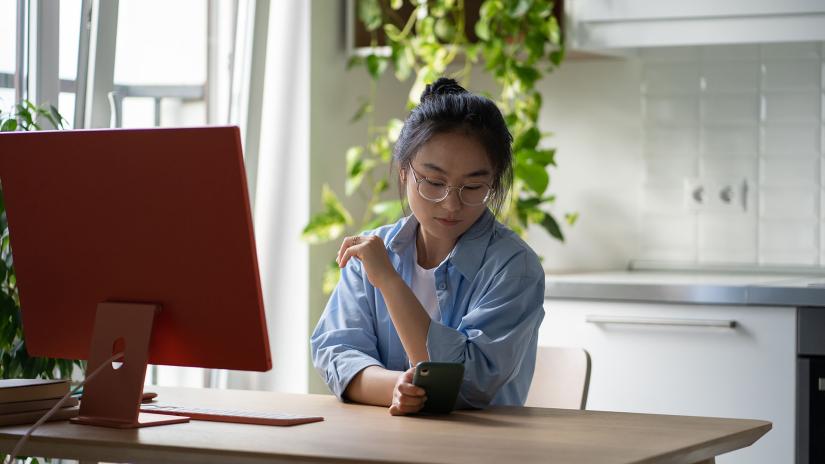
[723,114]
[593,108]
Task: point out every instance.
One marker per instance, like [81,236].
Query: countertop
[693,287]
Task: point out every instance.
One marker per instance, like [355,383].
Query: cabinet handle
[598,319]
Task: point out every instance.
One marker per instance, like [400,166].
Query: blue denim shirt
[490,291]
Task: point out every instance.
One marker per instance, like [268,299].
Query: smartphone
[442,382]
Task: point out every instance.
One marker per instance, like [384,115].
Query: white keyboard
[229,415]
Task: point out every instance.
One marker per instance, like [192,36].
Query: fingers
[408,389]
[404,404]
[408,375]
[346,244]
[407,398]
[348,253]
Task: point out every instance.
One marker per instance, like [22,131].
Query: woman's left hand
[370,250]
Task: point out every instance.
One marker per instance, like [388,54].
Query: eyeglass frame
[449,188]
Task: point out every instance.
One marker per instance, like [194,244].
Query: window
[8,39]
[160,70]
[67,57]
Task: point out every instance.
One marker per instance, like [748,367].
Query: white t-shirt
[423,285]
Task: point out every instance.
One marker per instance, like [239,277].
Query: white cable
[22,441]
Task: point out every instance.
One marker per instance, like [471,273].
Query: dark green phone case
[442,382]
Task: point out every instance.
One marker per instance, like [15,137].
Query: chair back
[561,378]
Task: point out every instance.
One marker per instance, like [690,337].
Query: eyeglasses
[472,194]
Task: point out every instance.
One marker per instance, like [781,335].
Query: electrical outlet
[718,195]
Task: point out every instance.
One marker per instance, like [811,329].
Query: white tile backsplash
[791,139]
[723,232]
[669,170]
[791,75]
[793,107]
[789,236]
[726,239]
[670,78]
[671,110]
[759,115]
[671,140]
[670,232]
[788,202]
[724,108]
[787,171]
[663,200]
[725,167]
[730,76]
[730,140]
[786,51]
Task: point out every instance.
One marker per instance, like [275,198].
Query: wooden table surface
[355,433]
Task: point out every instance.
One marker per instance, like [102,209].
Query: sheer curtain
[279,181]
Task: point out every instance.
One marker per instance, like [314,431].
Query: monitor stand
[112,398]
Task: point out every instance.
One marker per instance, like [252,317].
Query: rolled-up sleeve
[344,341]
[494,338]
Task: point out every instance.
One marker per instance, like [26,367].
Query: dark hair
[447,107]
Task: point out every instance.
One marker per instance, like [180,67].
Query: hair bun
[442,86]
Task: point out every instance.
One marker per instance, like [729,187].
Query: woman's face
[454,159]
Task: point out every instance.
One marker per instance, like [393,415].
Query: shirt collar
[469,250]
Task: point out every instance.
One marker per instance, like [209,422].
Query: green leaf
[390,210]
[394,127]
[519,7]
[9,125]
[445,29]
[380,187]
[403,60]
[369,12]
[534,176]
[527,75]
[355,60]
[540,157]
[353,157]
[364,109]
[354,181]
[551,226]
[425,28]
[330,223]
[554,31]
[396,4]
[482,29]
[376,66]
[571,218]
[557,56]
[528,140]
[392,32]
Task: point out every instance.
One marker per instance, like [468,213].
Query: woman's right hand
[406,397]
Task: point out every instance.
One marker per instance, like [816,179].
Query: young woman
[448,283]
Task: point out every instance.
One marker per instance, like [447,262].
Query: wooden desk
[355,433]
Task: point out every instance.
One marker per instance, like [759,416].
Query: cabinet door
[686,365]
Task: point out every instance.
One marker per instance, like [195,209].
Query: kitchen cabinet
[687,359]
[621,24]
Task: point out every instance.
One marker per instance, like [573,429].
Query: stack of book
[25,401]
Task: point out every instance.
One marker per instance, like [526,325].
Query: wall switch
[718,195]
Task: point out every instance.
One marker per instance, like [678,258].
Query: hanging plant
[516,42]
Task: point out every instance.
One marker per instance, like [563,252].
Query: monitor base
[113,396]
[144,420]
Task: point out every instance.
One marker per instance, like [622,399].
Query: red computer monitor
[151,217]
